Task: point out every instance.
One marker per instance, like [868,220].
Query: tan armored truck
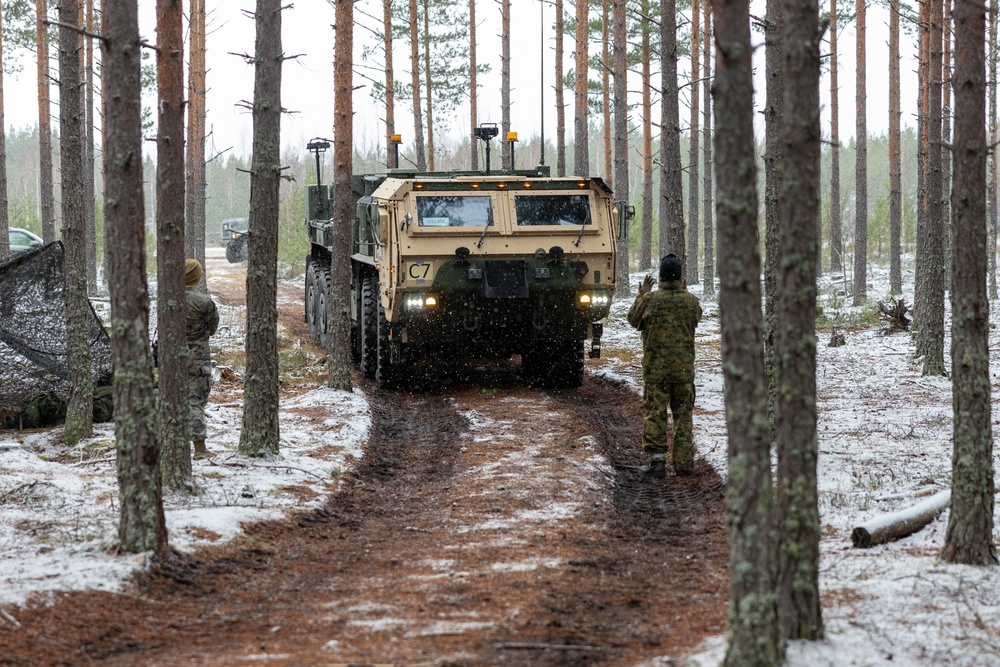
[467,265]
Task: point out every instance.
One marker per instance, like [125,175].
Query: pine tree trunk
[933,304]
[391,148]
[969,537]
[861,165]
[506,154]
[991,195]
[708,272]
[946,143]
[798,501]
[259,435]
[693,154]
[80,407]
[88,151]
[338,349]
[418,117]
[646,242]
[428,85]
[46,198]
[671,180]
[606,89]
[194,237]
[581,143]
[920,268]
[141,525]
[171,313]
[619,72]
[752,609]
[474,87]
[836,225]
[895,157]
[4,216]
[560,92]
[773,165]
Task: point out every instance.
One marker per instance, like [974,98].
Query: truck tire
[236,250]
[322,285]
[388,375]
[310,297]
[368,326]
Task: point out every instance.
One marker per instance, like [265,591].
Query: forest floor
[486,523]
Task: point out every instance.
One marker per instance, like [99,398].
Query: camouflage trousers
[676,398]
[199,387]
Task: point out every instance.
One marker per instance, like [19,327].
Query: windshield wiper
[583,227]
[482,237]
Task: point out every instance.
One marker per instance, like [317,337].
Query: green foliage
[293,244]
[448,41]
[18,33]
[832,312]
[147,83]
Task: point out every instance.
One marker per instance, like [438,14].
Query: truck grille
[505,279]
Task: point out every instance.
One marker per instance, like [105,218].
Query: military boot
[657,467]
[200,451]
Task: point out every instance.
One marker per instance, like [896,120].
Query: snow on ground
[884,438]
[59,505]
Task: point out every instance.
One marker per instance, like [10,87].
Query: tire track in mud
[487,524]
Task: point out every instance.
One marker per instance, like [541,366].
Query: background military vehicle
[467,265]
[234,235]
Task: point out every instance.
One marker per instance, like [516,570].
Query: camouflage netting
[33,331]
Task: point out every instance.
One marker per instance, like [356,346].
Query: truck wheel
[236,250]
[387,375]
[312,297]
[322,285]
[369,326]
[310,293]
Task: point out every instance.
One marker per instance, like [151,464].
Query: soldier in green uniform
[667,319]
[202,321]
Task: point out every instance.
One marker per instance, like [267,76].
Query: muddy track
[484,526]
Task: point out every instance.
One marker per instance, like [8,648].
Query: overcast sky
[306,83]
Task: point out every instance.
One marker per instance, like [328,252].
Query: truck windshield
[552,210]
[454,211]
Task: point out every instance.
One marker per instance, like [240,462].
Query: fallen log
[901,523]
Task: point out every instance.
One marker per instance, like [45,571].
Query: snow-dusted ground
[884,438]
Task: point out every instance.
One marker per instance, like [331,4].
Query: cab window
[454,211]
[567,209]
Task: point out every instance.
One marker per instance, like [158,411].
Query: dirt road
[487,524]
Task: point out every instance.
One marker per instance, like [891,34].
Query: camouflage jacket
[667,318]
[202,321]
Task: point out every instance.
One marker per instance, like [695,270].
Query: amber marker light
[581,184]
[501,186]
[527,186]
[431,301]
[474,186]
[585,298]
[418,186]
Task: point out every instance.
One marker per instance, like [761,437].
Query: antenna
[319,146]
[487,131]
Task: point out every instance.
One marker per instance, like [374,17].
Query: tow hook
[595,342]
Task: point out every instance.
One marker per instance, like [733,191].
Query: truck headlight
[594,298]
[420,301]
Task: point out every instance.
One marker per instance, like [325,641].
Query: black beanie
[670,268]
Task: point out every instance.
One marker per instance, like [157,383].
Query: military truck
[468,265]
[234,234]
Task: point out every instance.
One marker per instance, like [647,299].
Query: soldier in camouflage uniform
[202,321]
[667,319]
